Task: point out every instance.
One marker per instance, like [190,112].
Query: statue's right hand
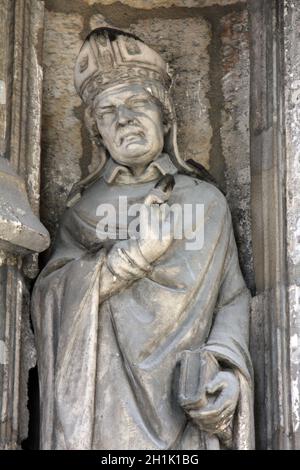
[157,223]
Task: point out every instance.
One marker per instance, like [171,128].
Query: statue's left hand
[222,394]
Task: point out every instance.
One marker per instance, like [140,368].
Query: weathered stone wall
[206,44]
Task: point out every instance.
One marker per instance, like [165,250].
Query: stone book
[197,369]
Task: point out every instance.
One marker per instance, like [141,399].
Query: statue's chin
[135,154]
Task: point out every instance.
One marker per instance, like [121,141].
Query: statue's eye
[101,113]
[138,102]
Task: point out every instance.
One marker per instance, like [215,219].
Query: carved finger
[215,426]
[213,423]
[227,408]
[152,199]
[224,424]
[216,423]
[215,385]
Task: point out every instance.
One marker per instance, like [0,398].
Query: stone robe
[109,367]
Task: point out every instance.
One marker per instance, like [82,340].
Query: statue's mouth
[130,136]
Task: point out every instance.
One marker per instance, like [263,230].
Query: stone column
[21,233]
[275,180]
[291,79]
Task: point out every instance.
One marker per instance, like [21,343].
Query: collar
[119,174]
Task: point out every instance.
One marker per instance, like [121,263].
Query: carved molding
[26,94]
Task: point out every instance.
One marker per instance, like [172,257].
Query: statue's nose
[125,115]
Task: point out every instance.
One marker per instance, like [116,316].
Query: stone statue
[142,341]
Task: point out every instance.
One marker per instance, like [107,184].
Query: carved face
[130,122]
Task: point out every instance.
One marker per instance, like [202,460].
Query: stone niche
[209,45]
[236,76]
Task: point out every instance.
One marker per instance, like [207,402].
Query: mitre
[109,57]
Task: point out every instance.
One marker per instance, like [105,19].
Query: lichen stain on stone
[3,354]
[232,30]
[296,257]
[294,296]
[296,402]
[2,92]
